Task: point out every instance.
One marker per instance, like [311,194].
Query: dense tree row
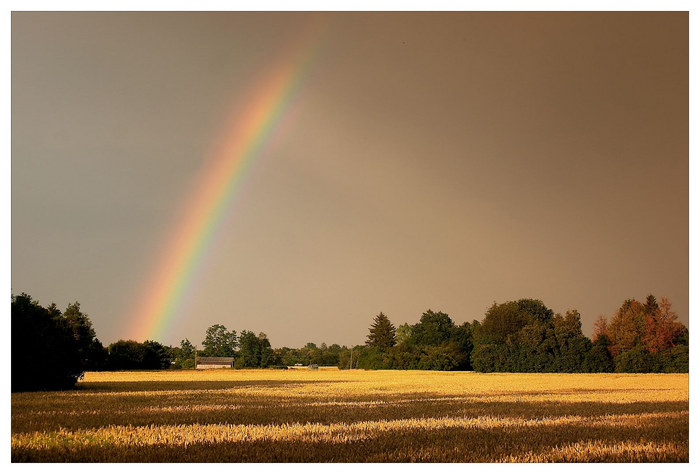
[132,355]
[311,354]
[526,336]
[52,349]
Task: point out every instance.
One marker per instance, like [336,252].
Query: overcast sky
[441,161]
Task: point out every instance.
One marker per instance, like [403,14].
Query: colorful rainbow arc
[246,135]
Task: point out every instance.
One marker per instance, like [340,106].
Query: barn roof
[214,360]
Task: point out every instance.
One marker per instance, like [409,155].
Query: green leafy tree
[255,351]
[598,358]
[373,357]
[570,345]
[635,360]
[446,356]
[491,358]
[463,337]
[324,355]
[382,334]
[406,356]
[289,356]
[433,329]
[677,359]
[567,327]
[267,355]
[403,333]
[184,358]
[219,342]
[573,357]
[532,348]
[344,359]
[506,319]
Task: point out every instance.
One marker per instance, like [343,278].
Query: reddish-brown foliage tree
[661,327]
[600,327]
[652,326]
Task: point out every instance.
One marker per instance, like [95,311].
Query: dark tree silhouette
[93,355]
[45,355]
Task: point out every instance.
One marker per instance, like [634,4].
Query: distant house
[214,362]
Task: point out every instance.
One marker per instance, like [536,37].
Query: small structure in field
[214,362]
[313,366]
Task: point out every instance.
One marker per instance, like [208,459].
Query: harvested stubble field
[306,415]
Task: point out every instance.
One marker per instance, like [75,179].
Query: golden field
[304,415]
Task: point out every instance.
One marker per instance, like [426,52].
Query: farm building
[214,362]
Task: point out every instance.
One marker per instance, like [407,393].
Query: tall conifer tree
[382,333]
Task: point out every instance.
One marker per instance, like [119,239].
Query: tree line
[52,349]
[526,336]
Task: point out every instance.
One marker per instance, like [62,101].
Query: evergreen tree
[651,305]
[382,334]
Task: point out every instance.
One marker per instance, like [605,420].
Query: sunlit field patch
[355,416]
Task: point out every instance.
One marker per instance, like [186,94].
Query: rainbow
[249,129]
